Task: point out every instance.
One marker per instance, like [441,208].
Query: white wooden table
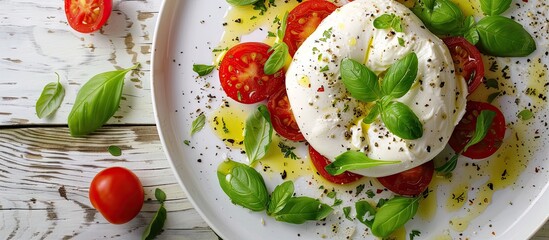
[45,173]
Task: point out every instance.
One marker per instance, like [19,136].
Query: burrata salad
[369,97]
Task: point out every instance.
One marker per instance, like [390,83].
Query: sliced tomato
[467,61]
[411,182]
[303,21]
[320,162]
[87,16]
[465,129]
[242,76]
[282,116]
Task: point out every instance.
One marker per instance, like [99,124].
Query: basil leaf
[353,160]
[394,214]
[401,121]
[442,17]
[96,102]
[114,150]
[484,122]
[301,209]
[50,99]
[282,30]
[503,37]
[243,184]
[157,223]
[400,76]
[494,7]
[347,213]
[203,69]
[198,124]
[470,31]
[525,115]
[242,2]
[360,81]
[280,196]
[386,21]
[449,166]
[277,59]
[258,134]
[363,208]
[372,115]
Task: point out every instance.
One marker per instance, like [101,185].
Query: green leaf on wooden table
[114,150]
[280,196]
[96,102]
[301,209]
[243,184]
[202,69]
[50,99]
[198,124]
[258,134]
[353,160]
[157,223]
[394,214]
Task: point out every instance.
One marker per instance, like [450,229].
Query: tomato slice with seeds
[467,61]
[242,76]
[411,182]
[303,21]
[466,127]
[282,116]
[87,16]
[320,162]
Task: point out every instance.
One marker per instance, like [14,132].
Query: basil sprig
[442,17]
[364,85]
[483,124]
[155,227]
[50,99]
[353,160]
[280,51]
[494,7]
[97,101]
[258,134]
[243,184]
[503,37]
[387,21]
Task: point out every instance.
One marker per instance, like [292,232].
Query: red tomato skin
[117,194]
[76,18]
[411,182]
[467,60]
[301,22]
[320,162]
[464,131]
[242,76]
[282,116]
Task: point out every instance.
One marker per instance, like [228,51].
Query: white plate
[186,33]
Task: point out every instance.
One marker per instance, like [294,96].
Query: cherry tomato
[117,194]
[467,61]
[466,127]
[87,16]
[303,21]
[282,116]
[320,162]
[241,73]
[411,182]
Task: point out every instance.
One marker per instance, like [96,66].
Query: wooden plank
[37,164]
[36,42]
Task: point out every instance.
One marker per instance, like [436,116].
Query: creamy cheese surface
[331,120]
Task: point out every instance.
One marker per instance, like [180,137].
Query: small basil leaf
[301,209]
[360,81]
[282,30]
[449,166]
[442,17]
[114,150]
[396,24]
[384,21]
[258,134]
[525,115]
[353,160]
[96,102]
[243,184]
[160,195]
[400,76]
[277,59]
[494,7]
[401,121]
[483,124]
[50,99]
[202,69]
[347,213]
[198,124]
[472,36]
[372,115]
[365,213]
[157,223]
[503,37]
[393,215]
[280,196]
[242,2]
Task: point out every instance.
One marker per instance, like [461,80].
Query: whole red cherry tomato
[117,194]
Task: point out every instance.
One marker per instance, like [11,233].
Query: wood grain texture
[36,41]
[45,176]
